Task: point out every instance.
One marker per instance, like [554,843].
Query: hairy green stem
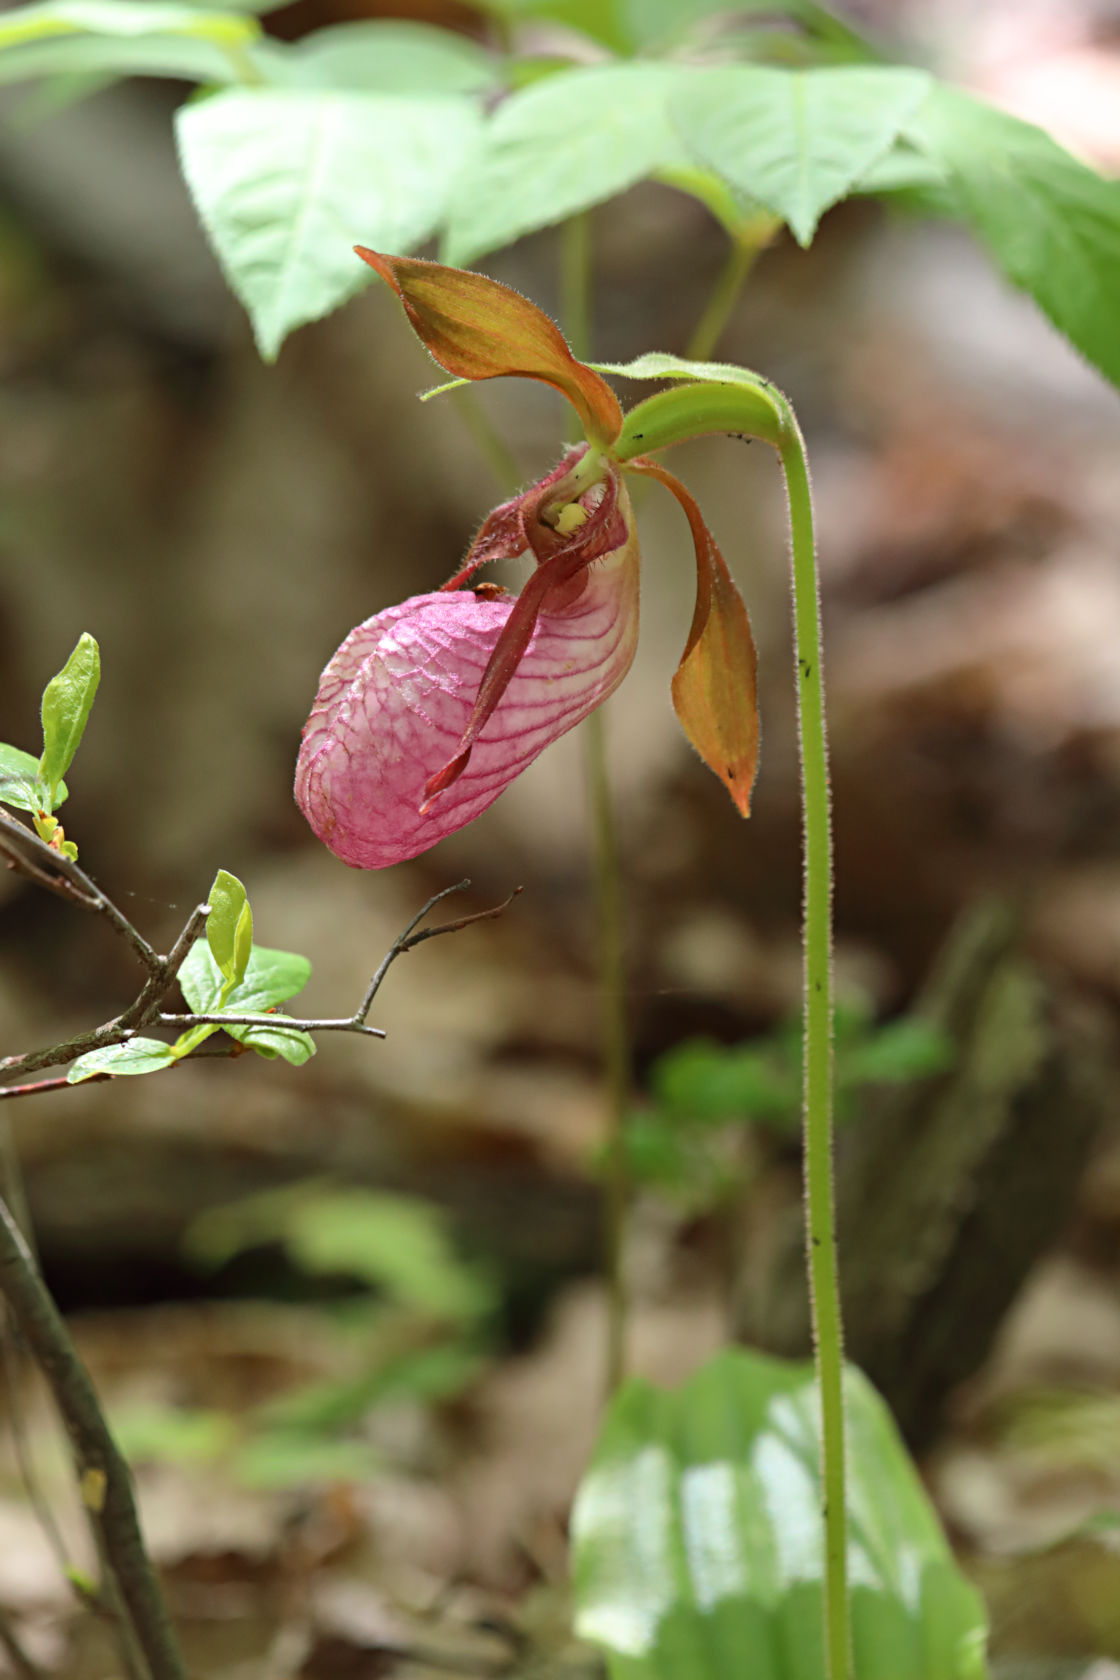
[820,1200]
[747,405]
[575,297]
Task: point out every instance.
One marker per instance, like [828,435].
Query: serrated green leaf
[20,784]
[697,1537]
[271,978]
[228,901]
[560,145]
[1051,223]
[380,56]
[139,1055]
[67,701]
[795,140]
[287,182]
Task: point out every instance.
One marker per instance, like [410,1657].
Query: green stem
[725,295]
[575,283]
[575,299]
[616,1038]
[820,1203]
[491,445]
[749,405]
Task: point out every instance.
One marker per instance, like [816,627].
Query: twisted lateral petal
[397,698]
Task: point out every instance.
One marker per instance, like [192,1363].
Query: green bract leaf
[20,783]
[381,57]
[270,978]
[67,701]
[559,145]
[286,183]
[698,1548]
[139,1055]
[1051,223]
[795,140]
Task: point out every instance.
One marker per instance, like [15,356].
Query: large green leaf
[559,145]
[1051,223]
[379,56]
[795,140]
[287,182]
[698,1547]
[123,37]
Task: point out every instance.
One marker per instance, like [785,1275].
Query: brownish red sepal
[479,329]
[562,563]
[715,689]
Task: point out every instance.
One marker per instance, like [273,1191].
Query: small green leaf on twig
[229,926]
[67,701]
[138,1055]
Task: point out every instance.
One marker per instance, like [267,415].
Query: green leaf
[228,905]
[122,37]
[697,1537]
[121,17]
[1051,223]
[795,140]
[269,978]
[20,784]
[598,19]
[560,145]
[713,1084]
[67,701]
[162,1434]
[661,364]
[381,57]
[394,1243]
[139,1055]
[286,182]
[906,1049]
[287,1458]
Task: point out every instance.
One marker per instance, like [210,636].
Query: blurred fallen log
[949,1189]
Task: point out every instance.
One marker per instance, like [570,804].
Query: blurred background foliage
[345,1317]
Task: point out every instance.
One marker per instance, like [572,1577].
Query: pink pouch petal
[396,699]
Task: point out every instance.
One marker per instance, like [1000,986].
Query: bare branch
[23,851]
[409,938]
[102,1472]
[282,1023]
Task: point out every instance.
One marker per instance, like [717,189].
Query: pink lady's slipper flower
[429,709]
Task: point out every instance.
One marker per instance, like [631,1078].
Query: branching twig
[103,1474]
